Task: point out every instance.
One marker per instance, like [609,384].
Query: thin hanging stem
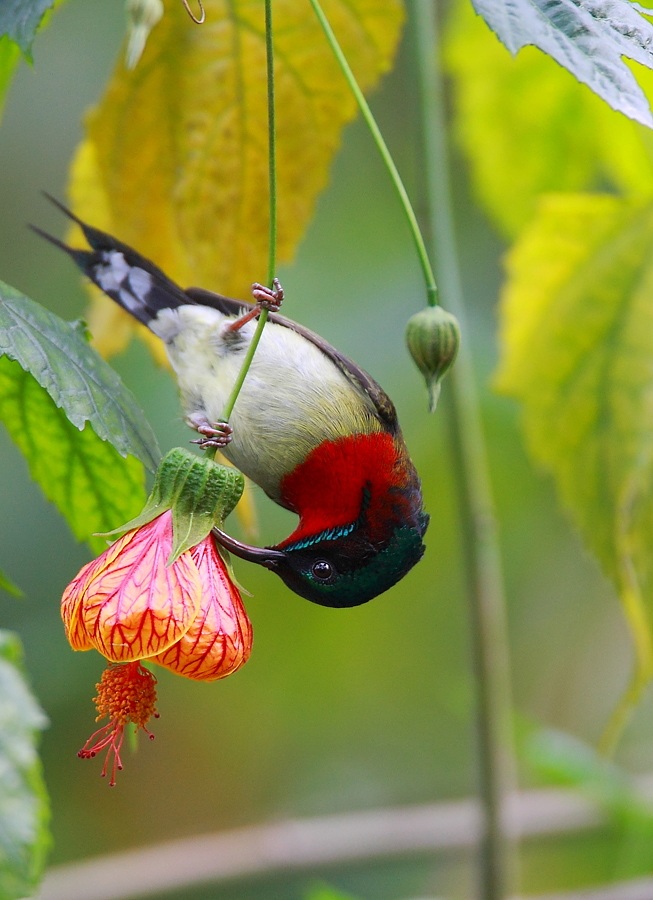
[429,278]
[272,189]
[199,20]
[272,145]
[479,533]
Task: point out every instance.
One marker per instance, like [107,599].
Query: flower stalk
[377,137]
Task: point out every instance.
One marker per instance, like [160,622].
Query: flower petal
[220,639]
[127,602]
[70,603]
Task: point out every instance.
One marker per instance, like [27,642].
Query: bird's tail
[135,283]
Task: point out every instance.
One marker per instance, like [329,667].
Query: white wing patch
[113,272]
[130,283]
[140,282]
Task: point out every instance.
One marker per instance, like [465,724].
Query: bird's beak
[264,556]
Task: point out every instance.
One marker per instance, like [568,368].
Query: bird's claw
[214,436]
[268,298]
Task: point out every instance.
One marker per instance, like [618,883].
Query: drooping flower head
[162,593]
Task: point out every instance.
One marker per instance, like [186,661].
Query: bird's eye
[322,569]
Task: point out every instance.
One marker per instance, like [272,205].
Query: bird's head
[341,572]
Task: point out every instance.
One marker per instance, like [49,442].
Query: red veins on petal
[127,603]
[220,639]
[187,617]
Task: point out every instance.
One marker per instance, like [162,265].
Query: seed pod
[433,336]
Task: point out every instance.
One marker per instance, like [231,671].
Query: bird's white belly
[294,397]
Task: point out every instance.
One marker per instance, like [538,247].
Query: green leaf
[9,587]
[24,809]
[79,381]
[581,143]
[20,20]
[9,56]
[565,760]
[577,330]
[85,477]
[589,38]
[326,892]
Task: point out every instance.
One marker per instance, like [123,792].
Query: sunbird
[313,429]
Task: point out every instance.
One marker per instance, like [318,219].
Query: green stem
[272,145]
[429,279]
[479,532]
[480,541]
[272,189]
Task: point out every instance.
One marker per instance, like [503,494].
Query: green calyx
[200,492]
[433,338]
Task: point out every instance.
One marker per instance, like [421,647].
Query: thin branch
[300,845]
[637,889]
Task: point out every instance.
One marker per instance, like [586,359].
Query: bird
[310,427]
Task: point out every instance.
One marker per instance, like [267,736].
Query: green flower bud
[433,337]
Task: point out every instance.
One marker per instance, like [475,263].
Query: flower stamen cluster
[127,695]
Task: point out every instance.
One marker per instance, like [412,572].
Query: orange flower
[129,605]
[132,604]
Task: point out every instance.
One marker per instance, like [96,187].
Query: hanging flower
[163,594]
[129,605]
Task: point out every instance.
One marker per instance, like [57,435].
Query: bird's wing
[383,405]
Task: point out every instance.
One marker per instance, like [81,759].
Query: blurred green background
[336,710]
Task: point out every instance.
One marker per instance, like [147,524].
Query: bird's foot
[266,298]
[213,436]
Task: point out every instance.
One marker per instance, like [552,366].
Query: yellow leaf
[577,332]
[175,156]
[528,127]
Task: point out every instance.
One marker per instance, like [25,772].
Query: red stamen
[126,694]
